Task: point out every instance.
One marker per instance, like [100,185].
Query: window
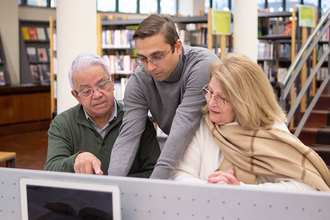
[325,6]
[128,6]
[220,4]
[106,5]
[311,2]
[39,3]
[261,4]
[289,4]
[148,6]
[53,3]
[168,7]
[275,5]
[207,6]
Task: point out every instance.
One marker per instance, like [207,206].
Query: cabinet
[34,52]
[24,108]
[4,74]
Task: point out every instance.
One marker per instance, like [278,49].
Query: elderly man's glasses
[100,87]
[155,60]
[208,95]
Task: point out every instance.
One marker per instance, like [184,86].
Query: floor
[30,148]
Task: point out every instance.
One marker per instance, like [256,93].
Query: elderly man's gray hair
[86,60]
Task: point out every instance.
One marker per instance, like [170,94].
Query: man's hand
[86,162]
[225,178]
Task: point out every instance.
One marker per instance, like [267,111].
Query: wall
[190,7]
[9,34]
[36,13]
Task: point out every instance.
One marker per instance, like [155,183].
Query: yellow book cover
[26,34]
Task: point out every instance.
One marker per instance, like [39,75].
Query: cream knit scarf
[270,152]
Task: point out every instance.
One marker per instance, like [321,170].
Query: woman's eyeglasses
[208,95]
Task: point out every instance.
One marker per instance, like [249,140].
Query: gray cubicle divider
[165,199]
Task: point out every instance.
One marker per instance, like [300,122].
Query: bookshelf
[4,74]
[277,37]
[120,54]
[34,52]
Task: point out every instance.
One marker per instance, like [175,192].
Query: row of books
[120,63]
[35,33]
[269,70]
[271,50]
[120,86]
[265,50]
[325,36]
[283,50]
[322,74]
[40,73]
[38,54]
[117,39]
[320,51]
[277,29]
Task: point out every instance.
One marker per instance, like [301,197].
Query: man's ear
[178,46]
[74,93]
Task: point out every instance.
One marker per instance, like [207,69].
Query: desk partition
[165,199]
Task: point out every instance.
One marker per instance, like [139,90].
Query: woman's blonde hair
[249,92]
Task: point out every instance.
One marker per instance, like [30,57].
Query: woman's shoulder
[281,126]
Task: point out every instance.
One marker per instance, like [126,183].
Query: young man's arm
[132,128]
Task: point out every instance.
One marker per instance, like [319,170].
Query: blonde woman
[243,139]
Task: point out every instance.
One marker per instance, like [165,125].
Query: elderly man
[81,138]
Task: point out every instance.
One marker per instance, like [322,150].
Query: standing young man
[168,83]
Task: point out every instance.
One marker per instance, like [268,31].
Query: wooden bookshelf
[34,52]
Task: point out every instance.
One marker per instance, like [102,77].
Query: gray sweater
[175,105]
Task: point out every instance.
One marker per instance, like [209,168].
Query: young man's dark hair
[158,24]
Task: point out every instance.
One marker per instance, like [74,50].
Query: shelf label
[220,22]
[306,16]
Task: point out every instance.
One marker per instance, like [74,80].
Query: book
[2,78]
[35,73]
[32,54]
[33,33]
[25,32]
[45,72]
[281,73]
[48,31]
[41,33]
[42,54]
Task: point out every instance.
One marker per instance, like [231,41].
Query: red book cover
[33,33]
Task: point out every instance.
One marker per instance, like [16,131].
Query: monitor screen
[47,199]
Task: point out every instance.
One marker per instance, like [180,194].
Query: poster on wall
[221,22]
[306,16]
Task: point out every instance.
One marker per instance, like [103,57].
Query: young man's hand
[86,162]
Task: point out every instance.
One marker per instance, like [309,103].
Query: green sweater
[70,133]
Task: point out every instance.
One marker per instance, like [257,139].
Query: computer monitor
[54,199]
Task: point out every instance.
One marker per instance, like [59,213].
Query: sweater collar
[176,75]
[81,117]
